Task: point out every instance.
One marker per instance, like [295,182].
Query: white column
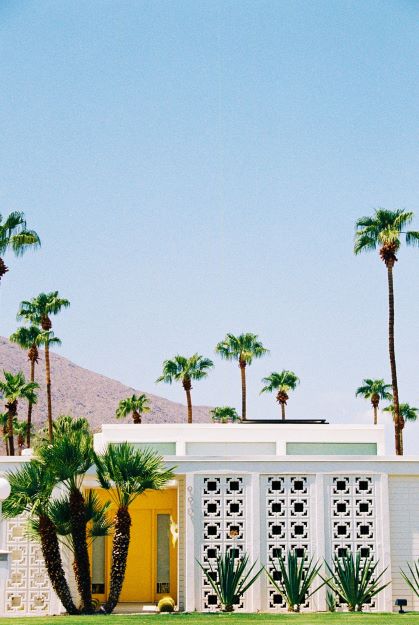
[385,598]
[253,518]
[318,545]
[190,565]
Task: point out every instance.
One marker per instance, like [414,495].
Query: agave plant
[231,578]
[293,578]
[355,580]
[412,578]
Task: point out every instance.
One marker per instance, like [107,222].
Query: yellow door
[138,583]
[151,571]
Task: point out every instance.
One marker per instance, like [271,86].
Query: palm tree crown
[283,382]
[384,230]
[182,369]
[135,405]
[244,348]
[223,414]
[374,390]
[39,309]
[28,338]
[15,235]
[408,412]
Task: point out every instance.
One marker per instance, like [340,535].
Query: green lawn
[224,619]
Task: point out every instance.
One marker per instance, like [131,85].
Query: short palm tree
[182,369]
[13,388]
[31,492]
[374,390]
[384,230]
[243,348]
[28,338]
[282,382]
[407,412]
[68,458]
[135,405]
[126,473]
[224,414]
[38,311]
[15,235]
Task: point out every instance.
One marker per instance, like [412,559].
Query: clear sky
[196,167]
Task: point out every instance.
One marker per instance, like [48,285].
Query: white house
[259,487]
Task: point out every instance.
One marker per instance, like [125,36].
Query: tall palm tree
[282,382]
[181,369]
[28,338]
[15,235]
[31,492]
[408,412]
[13,388]
[126,473]
[68,459]
[374,390]
[384,230]
[243,348]
[38,311]
[135,405]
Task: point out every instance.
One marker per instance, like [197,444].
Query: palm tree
[38,311]
[224,414]
[15,235]
[21,431]
[126,473]
[282,382]
[407,412]
[374,390]
[29,338]
[68,459]
[243,348]
[13,388]
[135,405]
[181,369]
[384,230]
[31,492]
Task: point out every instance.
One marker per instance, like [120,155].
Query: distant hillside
[80,392]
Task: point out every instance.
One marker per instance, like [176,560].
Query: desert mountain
[83,393]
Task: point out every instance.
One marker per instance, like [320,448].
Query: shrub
[412,578]
[166,604]
[355,580]
[293,579]
[230,579]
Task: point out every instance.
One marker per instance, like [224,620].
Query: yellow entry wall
[140,584]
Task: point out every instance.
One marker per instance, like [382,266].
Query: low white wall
[404,532]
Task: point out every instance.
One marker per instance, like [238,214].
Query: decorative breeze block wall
[28,590]
[285,503]
[223,506]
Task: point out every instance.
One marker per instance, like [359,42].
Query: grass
[223,619]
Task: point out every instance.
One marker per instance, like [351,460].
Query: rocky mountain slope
[80,392]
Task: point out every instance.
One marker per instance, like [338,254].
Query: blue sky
[197,167]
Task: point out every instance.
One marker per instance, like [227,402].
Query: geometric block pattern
[28,590]
[287,505]
[353,522]
[223,511]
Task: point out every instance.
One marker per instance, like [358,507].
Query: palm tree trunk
[283,410]
[53,563]
[10,416]
[81,553]
[120,548]
[375,414]
[48,380]
[136,417]
[189,402]
[29,419]
[398,425]
[242,366]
